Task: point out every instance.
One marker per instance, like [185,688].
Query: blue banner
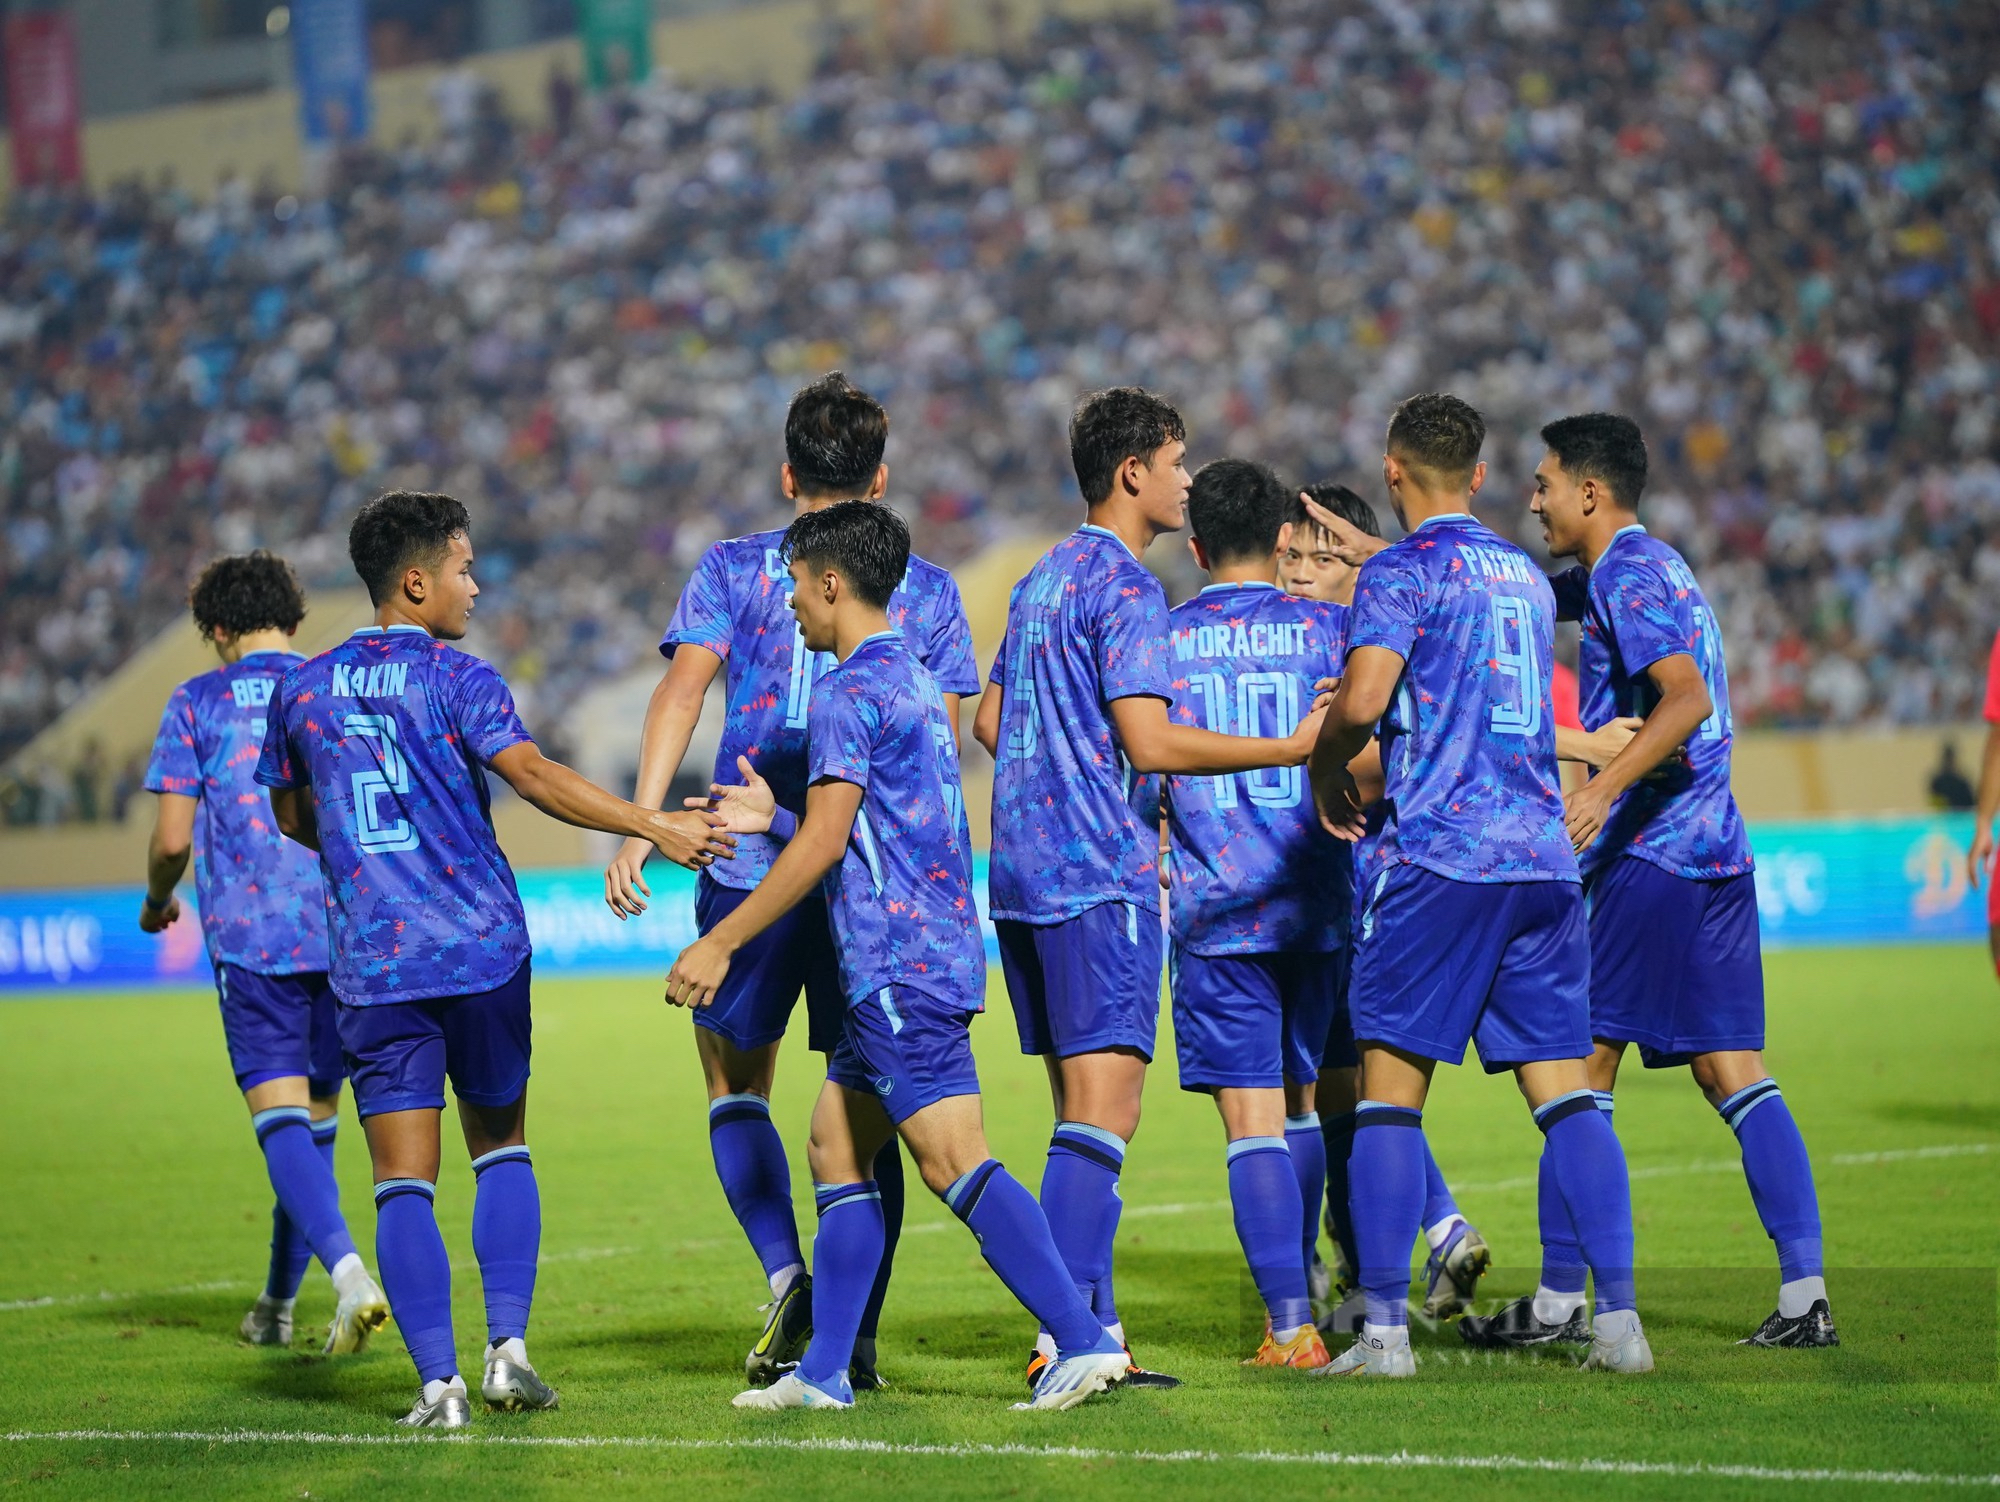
[1848,882]
[330,67]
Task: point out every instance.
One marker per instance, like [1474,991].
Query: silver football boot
[450,1409]
[514,1385]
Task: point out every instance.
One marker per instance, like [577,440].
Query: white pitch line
[1133,1212]
[1400,1459]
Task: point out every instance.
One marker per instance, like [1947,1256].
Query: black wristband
[159,906]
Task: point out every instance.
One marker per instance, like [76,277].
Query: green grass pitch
[133,1217]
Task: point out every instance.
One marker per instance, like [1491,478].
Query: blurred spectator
[1949,788]
[1771,231]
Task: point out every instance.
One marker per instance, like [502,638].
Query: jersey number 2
[374,834]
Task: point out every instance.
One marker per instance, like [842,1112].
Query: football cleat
[1319,1284]
[1628,1353]
[448,1409]
[267,1324]
[1305,1349]
[1368,1358]
[787,1329]
[1813,1329]
[1038,1362]
[1069,1380]
[1345,1317]
[864,1376]
[1139,1376]
[1452,1275]
[1516,1327]
[513,1385]
[793,1391]
[362,1311]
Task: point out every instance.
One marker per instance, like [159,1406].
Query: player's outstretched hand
[1979,862]
[744,810]
[1604,743]
[693,839]
[1351,545]
[697,973]
[1323,692]
[158,920]
[1584,813]
[1342,813]
[625,880]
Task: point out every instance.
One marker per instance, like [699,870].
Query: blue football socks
[847,1254]
[1015,1239]
[889,1181]
[1440,1209]
[1338,1130]
[1563,1273]
[1264,1194]
[1386,1195]
[416,1274]
[304,1184]
[1781,1186]
[757,1181]
[506,1238]
[1588,1166]
[1306,1143]
[1080,1201]
[290,1252]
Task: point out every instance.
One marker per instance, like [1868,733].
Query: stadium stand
[1284,220]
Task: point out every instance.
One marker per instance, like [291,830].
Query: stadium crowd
[1771,232]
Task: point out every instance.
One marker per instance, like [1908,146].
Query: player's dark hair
[1124,422]
[1602,446]
[247,592]
[834,437]
[1236,507]
[401,529]
[1342,502]
[865,543]
[1437,432]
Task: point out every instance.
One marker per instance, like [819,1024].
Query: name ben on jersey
[378,680]
[1227,639]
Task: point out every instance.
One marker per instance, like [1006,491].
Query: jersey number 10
[1264,704]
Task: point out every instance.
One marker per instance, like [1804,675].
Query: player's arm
[1980,862]
[814,850]
[1684,705]
[1596,748]
[1366,688]
[986,722]
[690,838]
[167,855]
[671,715]
[298,819]
[1154,743]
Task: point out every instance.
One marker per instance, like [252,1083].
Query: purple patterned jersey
[737,604]
[901,898]
[1087,626]
[1638,605]
[1469,742]
[263,908]
[391,730]
[1253,871]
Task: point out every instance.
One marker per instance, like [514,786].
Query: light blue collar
[379,630]
[1107,532]
[890,635]
[272,652]
[1209,589]
[1621,532]
[1448,516]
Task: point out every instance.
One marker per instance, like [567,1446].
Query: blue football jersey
[1088,625]
[1469,741]
[391,730]
[1640,604]
[263,907]
[900,900]
[1253,871]
[737,604]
